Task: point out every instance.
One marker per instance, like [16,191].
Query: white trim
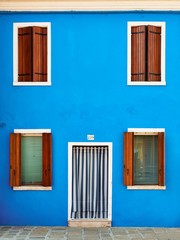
[89,5]
[32,131]
[41,188]
[163,37]
[144,130]
[15,53]
[162,83]
[70,145]
[31,83]
[146,187]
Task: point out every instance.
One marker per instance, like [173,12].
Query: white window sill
[146,83]
[146,187]
[31,83]
[33,188]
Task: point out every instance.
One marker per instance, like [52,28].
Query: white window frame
[147,131]
[70,146]
[15,53]
[32,132]
[163,37]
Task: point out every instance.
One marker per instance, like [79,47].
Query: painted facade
[89,95]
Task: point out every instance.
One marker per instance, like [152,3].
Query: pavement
[70,233]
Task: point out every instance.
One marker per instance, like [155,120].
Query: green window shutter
[31,164]
[25,57]
[154,53]
[138,53]
[39,54]
[15,159]
[47,159]
[128,158]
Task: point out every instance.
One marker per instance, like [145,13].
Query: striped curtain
[89,182]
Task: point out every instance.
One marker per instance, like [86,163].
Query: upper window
[146,53]
[144,158]
[32,54]
[30,158]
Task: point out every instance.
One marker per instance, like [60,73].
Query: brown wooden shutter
[154,53]
[47,159]
[15,159]
[39,54]
[138,53]
[128,158]
[25,57]
[161,158]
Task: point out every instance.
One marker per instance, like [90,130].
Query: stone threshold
[89,223]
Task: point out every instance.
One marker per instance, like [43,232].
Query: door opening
[90,181]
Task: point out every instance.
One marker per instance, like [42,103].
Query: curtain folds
[89,182]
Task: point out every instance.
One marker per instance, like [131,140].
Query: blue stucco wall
[89,95]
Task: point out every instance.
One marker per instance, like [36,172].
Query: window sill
[149,187]
[146,83]
[33,188]
[31,83]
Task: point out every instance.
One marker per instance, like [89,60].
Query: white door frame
[70,145]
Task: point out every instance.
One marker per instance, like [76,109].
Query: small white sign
[90,137]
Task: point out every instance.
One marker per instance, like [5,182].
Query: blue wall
[89,95]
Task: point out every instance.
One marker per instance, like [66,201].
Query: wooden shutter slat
[154,53]
[161,158]
[40,54]
[47,159]
[128,158]
[138,53]
[15,159]
[25,54]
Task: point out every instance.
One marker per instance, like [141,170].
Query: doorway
[89,181]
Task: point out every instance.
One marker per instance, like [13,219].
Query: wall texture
[89,95]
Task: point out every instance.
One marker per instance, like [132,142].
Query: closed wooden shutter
[154,53]
[138,53]
[32,54]
[39,54]
[25,57]
[161,158]
[128,158]
[47,159]
[15,159]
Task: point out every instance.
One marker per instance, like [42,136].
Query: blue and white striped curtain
[89,182]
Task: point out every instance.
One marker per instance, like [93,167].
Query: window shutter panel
[128,158]
[25,54]
[15,159]
[47,159]
[154,53]
[161,158]
[40,54]
[138,53]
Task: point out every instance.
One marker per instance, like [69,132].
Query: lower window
[144,158]
[30,158]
